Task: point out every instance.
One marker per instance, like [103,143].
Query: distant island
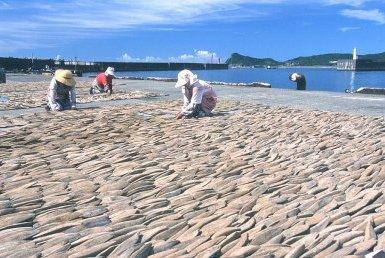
[316,60]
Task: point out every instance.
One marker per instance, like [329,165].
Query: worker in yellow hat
[61,91]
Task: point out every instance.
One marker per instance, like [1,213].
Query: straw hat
[65,77]
[185,77]
[110,71]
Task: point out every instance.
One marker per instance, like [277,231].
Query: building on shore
[357,64]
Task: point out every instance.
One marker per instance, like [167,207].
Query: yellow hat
[65,77]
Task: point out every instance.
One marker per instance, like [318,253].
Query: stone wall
[25,64]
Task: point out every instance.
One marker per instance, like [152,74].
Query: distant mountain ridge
[241,60]
[316,60]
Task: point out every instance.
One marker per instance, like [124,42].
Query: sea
[318,79]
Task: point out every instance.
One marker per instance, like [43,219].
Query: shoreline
[367,105]
[165,79]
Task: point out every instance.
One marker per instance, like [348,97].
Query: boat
[261,85]
[371,90]
[271,67]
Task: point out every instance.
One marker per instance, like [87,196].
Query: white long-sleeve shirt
[198,89]
[53,96]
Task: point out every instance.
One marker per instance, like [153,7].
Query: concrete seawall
[24,64]
[360,65]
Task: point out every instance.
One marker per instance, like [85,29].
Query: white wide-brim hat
[185,77]
[110,71]
[65,77]
[294,76]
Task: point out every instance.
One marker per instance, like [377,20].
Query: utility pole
[32,62]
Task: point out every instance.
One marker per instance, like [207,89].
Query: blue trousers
[64,103]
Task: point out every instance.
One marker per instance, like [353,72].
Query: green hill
[376,57]
[316,60]
[241,60]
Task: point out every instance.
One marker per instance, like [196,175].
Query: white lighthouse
[355,56]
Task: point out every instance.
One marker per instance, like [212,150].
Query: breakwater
[30,65]
[360,65]
[371,90]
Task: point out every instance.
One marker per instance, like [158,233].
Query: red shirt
[103,80]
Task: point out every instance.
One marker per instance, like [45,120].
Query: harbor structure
[28,65]
[357,64]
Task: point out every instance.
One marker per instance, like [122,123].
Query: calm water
[320,79]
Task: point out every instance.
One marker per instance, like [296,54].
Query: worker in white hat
[299,79]
[199,98]
[103,82]
[61,92]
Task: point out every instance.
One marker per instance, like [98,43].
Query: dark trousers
[64,103]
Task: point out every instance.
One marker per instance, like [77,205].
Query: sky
[189,30]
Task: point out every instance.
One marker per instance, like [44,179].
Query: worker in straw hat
[199,98]
[103,82]
[61,91]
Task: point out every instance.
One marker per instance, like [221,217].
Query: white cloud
[369,15]
[50,23]
[152,59]
[4,5]
[14,44]
[127,58]
[205,54]
[347,2]
[117,14]
[199,56]
[47,23]
[186,57]
[346,29]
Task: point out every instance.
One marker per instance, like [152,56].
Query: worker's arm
[196,98]
[73,98]
[186,100]
[108,89]
[191,109]
[52,96]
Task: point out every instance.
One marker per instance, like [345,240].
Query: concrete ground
[356,104]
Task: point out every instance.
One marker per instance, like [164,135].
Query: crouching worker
[198,96]
[103,82]
[299,79]
[61,92]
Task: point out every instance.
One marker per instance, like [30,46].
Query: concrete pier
[25,64]
[360,65]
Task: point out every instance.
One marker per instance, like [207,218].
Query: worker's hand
[179,116]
